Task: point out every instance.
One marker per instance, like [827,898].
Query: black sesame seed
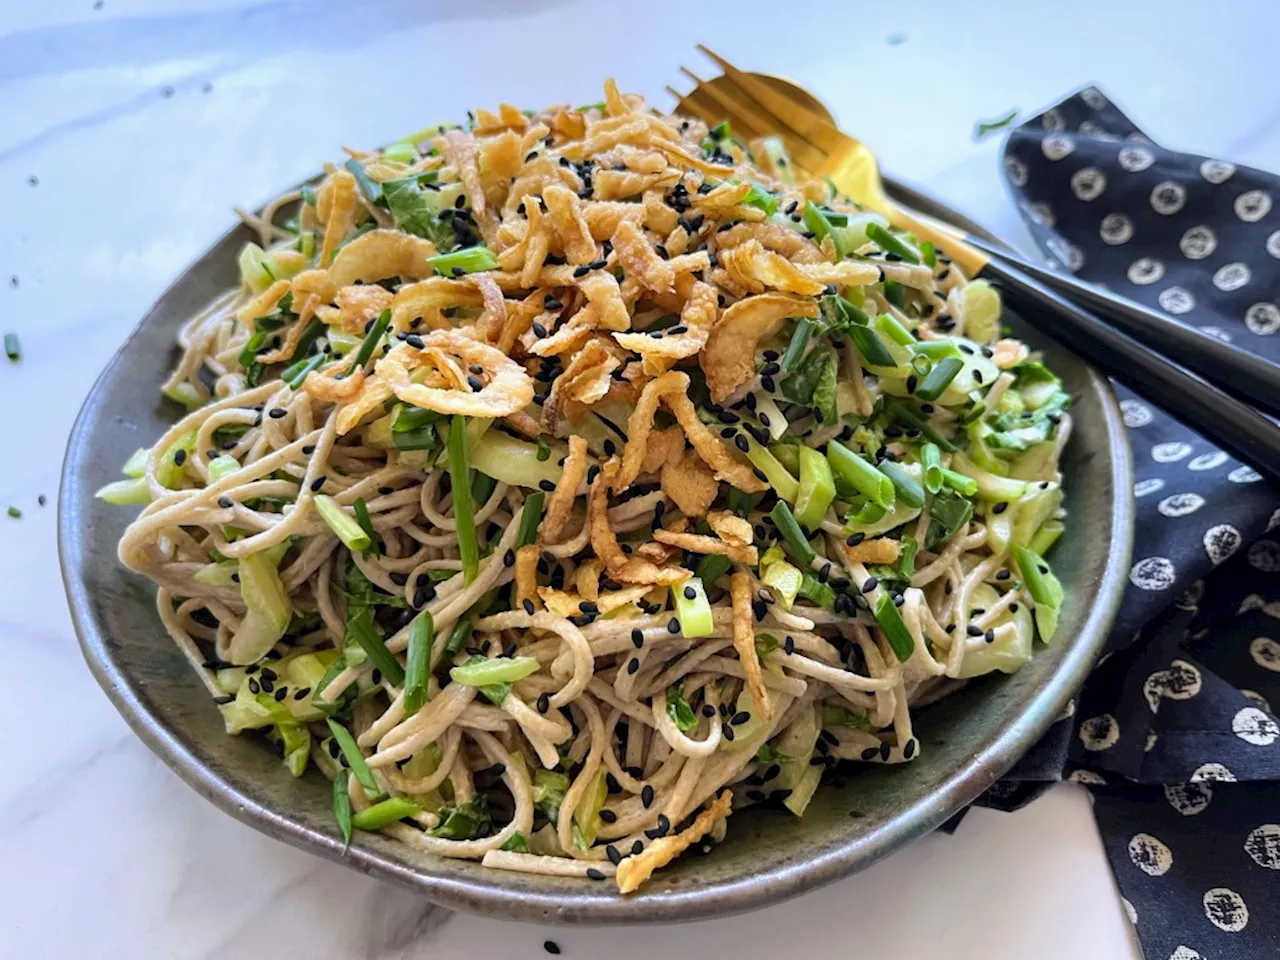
[646,796]
[509,558]
[551,947]
[544,703]
[673,625]
[789,645]
[179,457]
[739,718]
[741,443]
[637,638]
[855,539]
[870,584]
[1000,507]
[528,606]
[225,503]
[690,593]
[989,636]
[974,631]
[317,484]
[594,874]
[399,579]
[728,733]
[546,485]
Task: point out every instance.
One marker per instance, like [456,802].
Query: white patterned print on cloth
[1153,573]
[1253,726]
[1189,799]
[1150,855]
[1115,229]
[1226,909]
[1221,541]
[1198,242]
[1253,205]
[1263,846]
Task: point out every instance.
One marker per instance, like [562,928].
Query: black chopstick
[1235,371]
[1236,427]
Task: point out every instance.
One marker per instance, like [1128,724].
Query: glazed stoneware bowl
[968,740]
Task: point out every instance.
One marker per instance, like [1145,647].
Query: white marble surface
[128,129]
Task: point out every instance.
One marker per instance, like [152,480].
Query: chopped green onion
[461,631]
[889,243]
[936,349]
[400,152]
[513,462]
[678,709]
[371,189]
[125,493]
[385,813]
[296,373]
[817,488]
[479,672]
[888,324]
[347,528]
[1044,588]
[468,260]
[460,486]
[873,351]
[370,341]
[530,517]
[959,482]
[895,293]
[799,343]
[895,630]
[779,576]
[939,378]
[850,312]
[711,568]
[818,223]
[739,502]
[931,458]
[544,450]
[907,487]
[929,254]
[860,475]
[516,843]
[342,805]
[350,750]
[14,512]
[983,128]
[913,421]
[422,439]
[171,467]
[306,243]
[418,673]
[761,199]
[694,612]
[409,418]
[12,348]
[792,535]
[366,523]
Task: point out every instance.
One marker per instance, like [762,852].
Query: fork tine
[785,113]
[744,117]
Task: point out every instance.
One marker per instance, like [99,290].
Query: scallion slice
[889,243]
[350,750]
[479,672]
[939,378]
[895,629]
[468,260]
[418,673]
[692,608]
[346,527]
[792,535]
[530,517]
[460,487]
[385,813]
[907,487]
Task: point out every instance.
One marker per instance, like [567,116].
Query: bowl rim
[775,884]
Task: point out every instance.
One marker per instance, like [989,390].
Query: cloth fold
[1176,730]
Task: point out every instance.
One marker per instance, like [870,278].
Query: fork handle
[1237,428]
[1237,372]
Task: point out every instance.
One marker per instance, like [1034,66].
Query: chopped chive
[931,458]
[15,513]
[366,523]
[906,486]
[913,421]
[544,450]
[408,419]
[1044,587]
[799,343]
[873,350]
[482,487]
[739,502]
[936,349]
[461,631]
[851,312]
[939,378]
[468,260]
[296,373]
[385,813]
[895,630]
[363,632]
[421,637]
[818,223]
[347,529]
[342,805]
[424,438]
[479,672]
[460,485]
[530,517]
[887,242]
[792,535]
[12,348]
[929,254]
[347,744]
[371,341]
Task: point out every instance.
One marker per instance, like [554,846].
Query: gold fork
[758,106]
[1153,353]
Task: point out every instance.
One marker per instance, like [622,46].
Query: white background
[143,121]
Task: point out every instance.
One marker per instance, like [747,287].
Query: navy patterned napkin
[1176,730]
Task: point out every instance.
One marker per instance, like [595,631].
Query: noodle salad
[560,482]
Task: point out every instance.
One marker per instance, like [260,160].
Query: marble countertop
[132,126]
